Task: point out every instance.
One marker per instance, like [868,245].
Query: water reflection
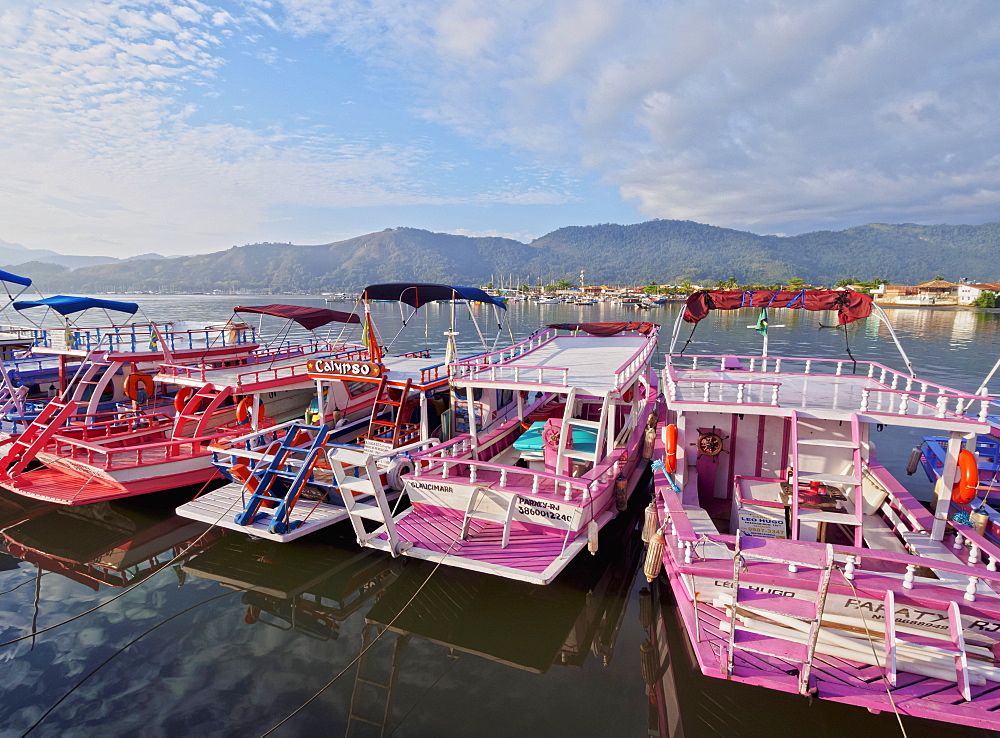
[309,588]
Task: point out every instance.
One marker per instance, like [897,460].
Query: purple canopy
[309,318]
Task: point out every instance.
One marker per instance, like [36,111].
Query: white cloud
[745,114]
[102,154]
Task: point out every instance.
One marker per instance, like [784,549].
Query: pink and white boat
[798,562]
[212,381]
[519,495]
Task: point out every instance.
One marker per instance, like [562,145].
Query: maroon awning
[850,305]
[309,318]
[605,329]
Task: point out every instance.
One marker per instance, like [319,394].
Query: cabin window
[355,389]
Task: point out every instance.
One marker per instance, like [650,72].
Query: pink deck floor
[848,681]
[437,532]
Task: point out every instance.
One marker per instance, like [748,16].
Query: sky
[189,126]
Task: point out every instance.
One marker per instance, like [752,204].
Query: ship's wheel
[710,442]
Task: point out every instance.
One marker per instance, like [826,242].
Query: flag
[761,326]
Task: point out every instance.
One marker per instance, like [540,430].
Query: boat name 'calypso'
[344,368]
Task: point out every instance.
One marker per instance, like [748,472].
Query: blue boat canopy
[417,294]
[14,279]
[68,304]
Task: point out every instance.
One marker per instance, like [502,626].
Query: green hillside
[663,251]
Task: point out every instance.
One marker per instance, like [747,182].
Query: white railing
[899,394]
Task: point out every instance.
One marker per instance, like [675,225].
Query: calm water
[233,636]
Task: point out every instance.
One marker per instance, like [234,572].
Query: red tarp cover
[309,318]
[849,305]
[605,329]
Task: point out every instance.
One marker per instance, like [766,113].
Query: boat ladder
[280,482]
[11,397]
[850,481]
[364,484]
[569,422]
[769,623]
[373,691]
[28,444]
[193,419]
[899,646]
[507,504]
[389,416]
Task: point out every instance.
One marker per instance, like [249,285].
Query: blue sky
[188,126]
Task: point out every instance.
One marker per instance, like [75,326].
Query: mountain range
[661,251]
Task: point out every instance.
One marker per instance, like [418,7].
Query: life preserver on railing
[670,462]
[181,398]
[399,467]
[967,486]
[627,395]
[245,408]
[136,380]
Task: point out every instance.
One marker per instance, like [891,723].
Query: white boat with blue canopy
[298,477]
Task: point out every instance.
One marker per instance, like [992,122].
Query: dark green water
[231,636]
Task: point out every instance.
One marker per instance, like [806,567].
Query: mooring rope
[175,559]
[375,640]
[878,664]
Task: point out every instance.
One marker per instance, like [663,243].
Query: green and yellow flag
[761,326]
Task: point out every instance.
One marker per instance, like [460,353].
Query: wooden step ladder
[507,501]
[193,419]
[394,428]
[850,481]
[27,445]
[754,612]
[953,647]
[367,483]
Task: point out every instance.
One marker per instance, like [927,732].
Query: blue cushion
[584,439]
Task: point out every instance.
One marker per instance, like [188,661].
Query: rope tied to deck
[878,663]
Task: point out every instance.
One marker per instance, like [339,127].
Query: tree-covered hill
[663,251]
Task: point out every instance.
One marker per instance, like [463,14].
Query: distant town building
[935,292]
[969,293]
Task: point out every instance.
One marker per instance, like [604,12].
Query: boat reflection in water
[309,587]
[515,624]
[116,544]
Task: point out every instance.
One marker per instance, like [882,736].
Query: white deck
[591,360]
[221,506]
[816,393]
[401,368]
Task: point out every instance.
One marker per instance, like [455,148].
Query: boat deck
[52,485]
[591,364]
[220,507]
[835,394]
[592,361]
[530,556]
[849,681]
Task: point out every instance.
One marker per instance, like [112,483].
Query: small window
[355,389]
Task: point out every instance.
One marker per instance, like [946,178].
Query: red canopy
[849,305]
[605,329]
[309,318]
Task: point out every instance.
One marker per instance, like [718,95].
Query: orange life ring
[181,398]
[627,395]
[670,464]
[245,408]
[134,381]
[967,486]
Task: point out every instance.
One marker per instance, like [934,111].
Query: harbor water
[122,619]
